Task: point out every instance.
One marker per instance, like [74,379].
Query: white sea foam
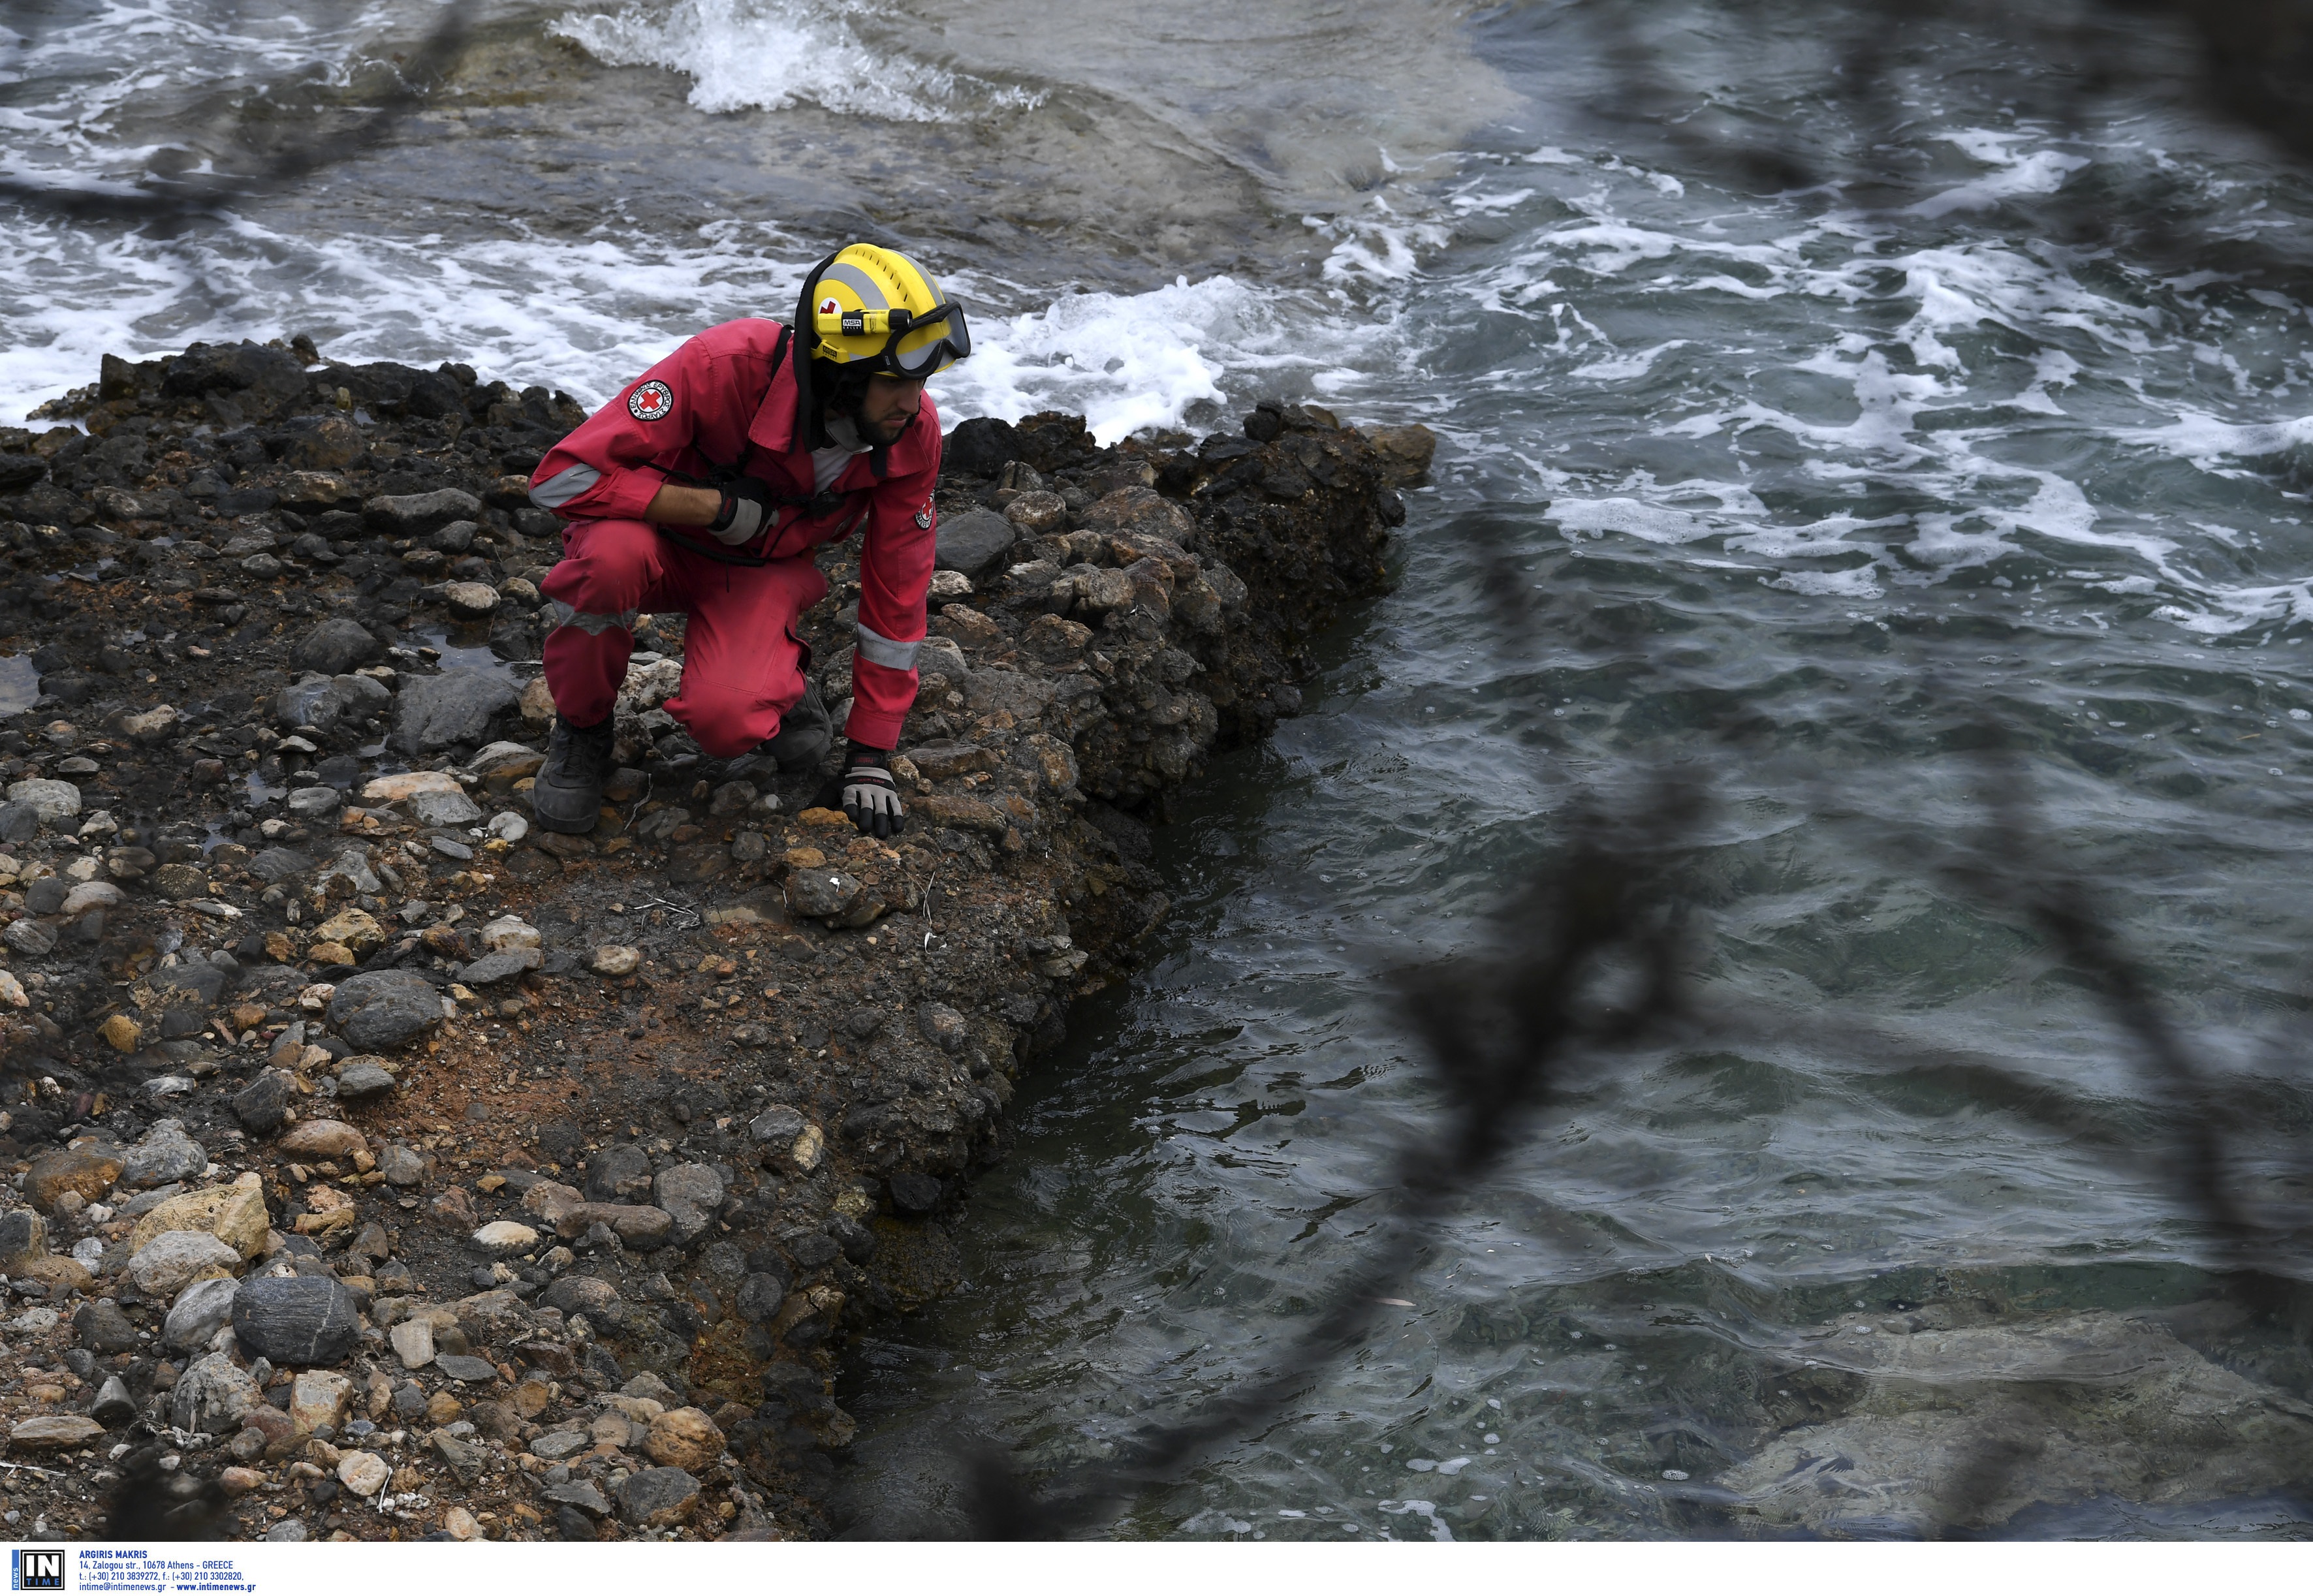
[1131,362]
[1956,375]
[580,313]
[1651,523]
[587,314]
[844,56]
[584,315]
[2043,171]
[2210,442]
[1427,1511]
[1625,368]
[1378,246]
[1857,582]
[1917,332]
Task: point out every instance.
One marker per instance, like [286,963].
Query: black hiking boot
[805,733]
[568,796]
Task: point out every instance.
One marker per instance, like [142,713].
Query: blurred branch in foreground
[1586,962]
[1588,967]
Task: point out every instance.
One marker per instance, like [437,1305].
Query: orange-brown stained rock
[323,1138]
[81,1170]
[685,1438]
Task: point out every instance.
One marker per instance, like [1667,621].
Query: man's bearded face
[887,408]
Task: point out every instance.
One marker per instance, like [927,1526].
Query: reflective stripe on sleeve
[879,650]
[563,486]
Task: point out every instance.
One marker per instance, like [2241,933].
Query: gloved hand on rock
[870,797]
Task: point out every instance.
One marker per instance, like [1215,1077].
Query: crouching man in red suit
[706,486]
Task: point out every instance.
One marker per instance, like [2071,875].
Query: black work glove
[746,508]
[870,797]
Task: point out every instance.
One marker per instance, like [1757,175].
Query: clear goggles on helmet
[915,364]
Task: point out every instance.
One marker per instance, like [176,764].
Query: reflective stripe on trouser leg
[560,615]
[612,572]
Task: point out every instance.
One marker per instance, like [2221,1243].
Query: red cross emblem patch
[651,401]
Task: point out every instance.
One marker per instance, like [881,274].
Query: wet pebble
[445,809]
[655,1498]
[361,1079]
[616,958]
[504,1237]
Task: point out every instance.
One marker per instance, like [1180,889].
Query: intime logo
[36,1570]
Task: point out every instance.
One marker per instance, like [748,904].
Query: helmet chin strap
[833,396]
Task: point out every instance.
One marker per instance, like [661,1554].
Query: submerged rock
[1967,1427]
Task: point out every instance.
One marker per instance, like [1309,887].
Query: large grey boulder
[654,1498]
[822,893]
[380,1010]
[352,867]
[760,1296]
[438,711]
[414,514]
[200,1310]
[169,1262]
[213,1396]
[443,809]
[166,1154]
[199,980]
[974,543]
[51,800]
[28,937]
[619,1173]
[275,865]
[582,1294]
[24,1238]
[491,969]
[362,1079]
[20,821]
[336,645]
[692,1193]
[298,1320]
[322,701]
[265,1102]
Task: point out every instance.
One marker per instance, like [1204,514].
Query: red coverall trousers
[742,663]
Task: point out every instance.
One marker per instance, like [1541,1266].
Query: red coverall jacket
[727,398]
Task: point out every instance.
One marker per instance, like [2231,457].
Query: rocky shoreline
[384,1168]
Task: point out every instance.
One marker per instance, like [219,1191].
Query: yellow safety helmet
[877,310]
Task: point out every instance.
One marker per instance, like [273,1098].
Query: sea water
[1984,421]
